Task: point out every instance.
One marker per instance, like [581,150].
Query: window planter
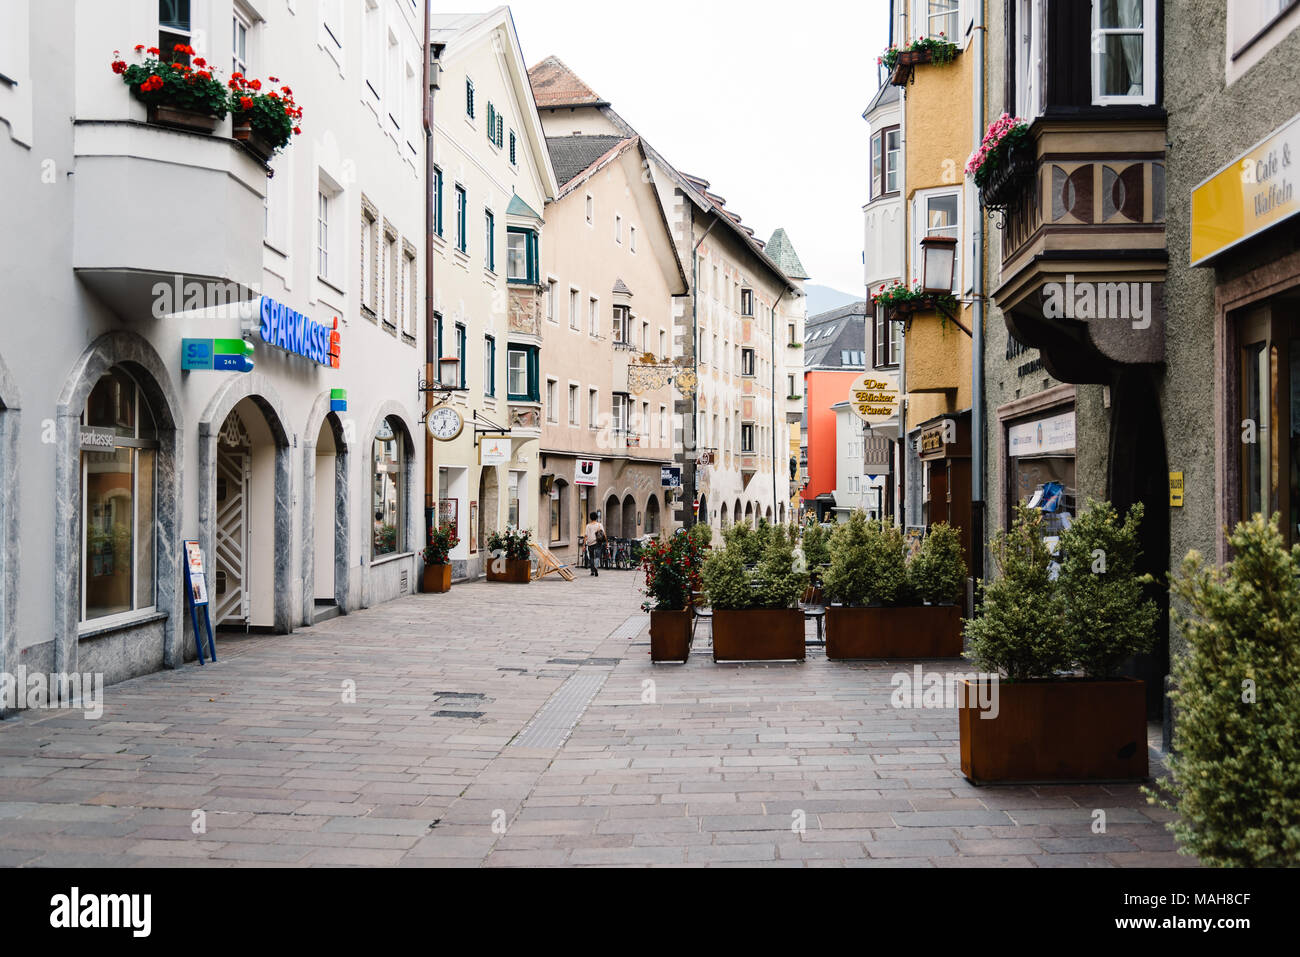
[177,117]
[671,636]
[437,579]
[1005,185]
[922,632]
[254,142]
[1056,731]
[517,572]
[758,635]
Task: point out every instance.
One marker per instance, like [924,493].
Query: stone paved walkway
[708,765]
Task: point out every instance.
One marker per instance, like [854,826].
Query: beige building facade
[610,272]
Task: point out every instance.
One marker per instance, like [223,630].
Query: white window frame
[1029,27]
[921,229]
[1149,38]
[591,210]
[239,19]
[593,409]
[575,309]
[552,399]
[593,317]
[575,409]
[552,286]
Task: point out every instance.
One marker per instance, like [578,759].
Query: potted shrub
[816,550]
[756,616]
[884,607]
[437,561]
[672,576]
[1063,714]
[177,93]
[510,557]
[263,122]
[900,61]
[1003,163]
[1235,763]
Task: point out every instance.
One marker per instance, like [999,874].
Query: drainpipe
[903,404]
[431,70]
[977,429]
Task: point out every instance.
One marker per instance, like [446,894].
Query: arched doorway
[489,497]
[612,517]
[703,516]
[767,515]
[326,516]
[736,514]
[243,590]
[749,513]
[630,529]
[652,526]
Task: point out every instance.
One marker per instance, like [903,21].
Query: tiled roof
[571,155]
[554,84]
[782,252]
[828,336]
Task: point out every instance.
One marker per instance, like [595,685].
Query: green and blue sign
[338,400]
[216,355]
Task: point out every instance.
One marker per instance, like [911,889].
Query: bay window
[522,374]
[521,258]
[938,213]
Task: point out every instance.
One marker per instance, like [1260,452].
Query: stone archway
[257,392]
[612,517]
[489,505]
[326,460]
[137,356]
[629,523]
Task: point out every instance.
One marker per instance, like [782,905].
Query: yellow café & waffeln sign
[1246,197]
[874,398]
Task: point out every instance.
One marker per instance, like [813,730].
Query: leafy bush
[514,543]
[1020,630]
[816,546]
[702,534]
[441,541]
[672,573]
[272,115]
[779,585]
[1107,619]
[938,572]
[747,540]
[1236,757]
[867,563]
[726,582]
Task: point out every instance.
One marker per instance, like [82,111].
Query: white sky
[764,99]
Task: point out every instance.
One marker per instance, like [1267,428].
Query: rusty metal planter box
[921,632]
[774,634]
[1056,731]
[437,579]
[518,572]
[670,636]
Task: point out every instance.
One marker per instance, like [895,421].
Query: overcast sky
[764,99]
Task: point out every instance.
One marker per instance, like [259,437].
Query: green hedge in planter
[775,583]
[1236,757]
[816,546]
[868,564]
[937,575]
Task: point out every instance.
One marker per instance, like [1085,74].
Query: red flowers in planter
[272,115]
[173,84]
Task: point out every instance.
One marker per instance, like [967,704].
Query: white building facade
[155,255]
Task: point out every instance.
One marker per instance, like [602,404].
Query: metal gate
[231,601]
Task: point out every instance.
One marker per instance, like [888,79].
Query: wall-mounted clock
[446,425]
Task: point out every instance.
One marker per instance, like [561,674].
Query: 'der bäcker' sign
[874,398]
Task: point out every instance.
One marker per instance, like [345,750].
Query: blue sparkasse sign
[292,331]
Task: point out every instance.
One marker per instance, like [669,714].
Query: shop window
[1041,469]
[1269,376]
[118,499]
[559,499]
[514,491]
[388,463]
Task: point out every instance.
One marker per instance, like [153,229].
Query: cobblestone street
[431,765]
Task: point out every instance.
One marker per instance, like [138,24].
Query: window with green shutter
[469,98]
[501,127]
[513,160]
[491,123]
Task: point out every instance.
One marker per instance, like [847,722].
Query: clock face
[446,425]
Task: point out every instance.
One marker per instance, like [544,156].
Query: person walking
[593,537]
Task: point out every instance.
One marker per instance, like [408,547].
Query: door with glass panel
[1269,378]
[231,599]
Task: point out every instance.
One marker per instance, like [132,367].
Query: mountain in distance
[824,299]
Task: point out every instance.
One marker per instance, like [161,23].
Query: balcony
[154,205]
[1083,242]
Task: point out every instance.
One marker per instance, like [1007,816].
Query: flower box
[517,571]
[922,632]
[1055,731]
[177,117]
[670,636]
[437,579]
[253,141]
[1006,183]
[758,635]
